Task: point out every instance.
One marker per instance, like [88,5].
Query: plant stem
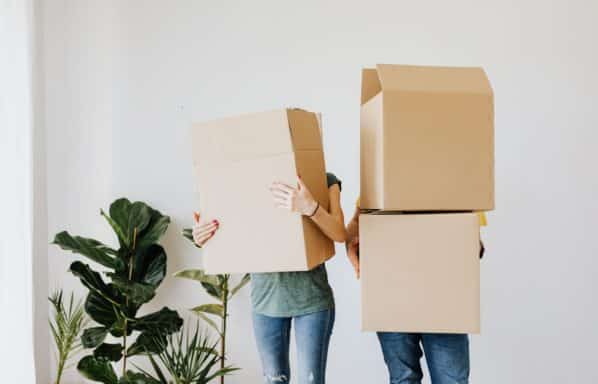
[60,369]
[131,261]
[223,333]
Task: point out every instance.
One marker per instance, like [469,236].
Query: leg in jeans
[272,336]
[402,354]
[312,335]
[448,357]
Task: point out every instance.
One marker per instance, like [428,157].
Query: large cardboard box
[420,272]
[235,161]
[427,139]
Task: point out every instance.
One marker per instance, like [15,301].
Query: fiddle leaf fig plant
[220,287]
[133,272]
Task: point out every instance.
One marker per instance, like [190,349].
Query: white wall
[126,78]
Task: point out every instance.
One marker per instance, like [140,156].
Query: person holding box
[304,298]
[447,354]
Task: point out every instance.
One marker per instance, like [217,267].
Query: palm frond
[66,324]
[188,357]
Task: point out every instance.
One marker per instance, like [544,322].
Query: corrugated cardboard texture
[235,161]
[427,139]
[420,272]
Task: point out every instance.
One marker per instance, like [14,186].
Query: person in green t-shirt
[302,298]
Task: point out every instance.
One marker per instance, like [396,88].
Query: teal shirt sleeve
[332,179]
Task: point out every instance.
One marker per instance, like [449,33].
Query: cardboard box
[420,272]
[427,139]
[235,161]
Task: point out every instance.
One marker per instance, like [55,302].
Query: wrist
[312,208]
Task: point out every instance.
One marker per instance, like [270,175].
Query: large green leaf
[136,292]
[139,378]
[90,248]
[92,280]
[213,309]
[100,310]
[150,265]
[97,370]
[112,352]
[92,337]
[154,230]
[164,321]
[246,278]
[130,217]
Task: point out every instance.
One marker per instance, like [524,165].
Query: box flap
[305,130]
[242,137]
[411,78]
[370,84]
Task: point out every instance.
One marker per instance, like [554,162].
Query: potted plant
[220,287]
[134,271]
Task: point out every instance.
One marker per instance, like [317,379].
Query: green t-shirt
[288,294]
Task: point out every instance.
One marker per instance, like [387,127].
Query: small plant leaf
[92,280]
[136,292]
[198,275]
[92,337]
[150,265]
[97,370]
[100,310]
[112,352]
[164,321]
[156,227]
[139,378]
[246,278]
[205,318]
[147,343]
[130,217]
[214,309]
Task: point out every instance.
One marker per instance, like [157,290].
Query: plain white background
[125,79]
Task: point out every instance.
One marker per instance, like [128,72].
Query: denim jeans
[312,336]
[447,356]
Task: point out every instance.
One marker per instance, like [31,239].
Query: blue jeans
[447,356]
[312,336]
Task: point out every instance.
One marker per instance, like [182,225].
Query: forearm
[331,224]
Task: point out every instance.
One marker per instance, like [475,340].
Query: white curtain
[20,276]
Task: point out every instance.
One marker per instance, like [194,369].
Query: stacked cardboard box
[235,161]
[427,165]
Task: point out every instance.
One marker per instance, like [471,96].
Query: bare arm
[300,200]
[332,222]
[352,242]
